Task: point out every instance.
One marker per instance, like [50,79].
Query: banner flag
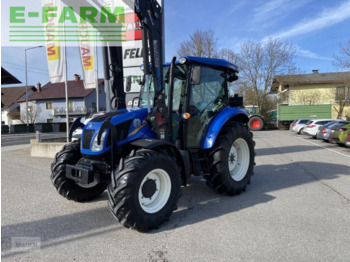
[54,49]
[88,58]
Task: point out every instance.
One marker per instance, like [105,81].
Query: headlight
[95,147]
[183,60]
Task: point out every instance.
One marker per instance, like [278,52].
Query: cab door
[206,98]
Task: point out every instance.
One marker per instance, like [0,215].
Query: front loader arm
[151,17]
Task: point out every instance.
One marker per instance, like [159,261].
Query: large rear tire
[144,189]
[231,159]
[256,123]
[70,154]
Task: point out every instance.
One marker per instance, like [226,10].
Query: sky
[315,28]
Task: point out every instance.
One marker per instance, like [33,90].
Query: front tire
[231,160]
[144,190]
[70,154]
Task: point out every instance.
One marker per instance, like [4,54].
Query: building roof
[57,90]
[11,94]
[314,78]
[7,78]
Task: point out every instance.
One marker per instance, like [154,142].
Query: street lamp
[25,61]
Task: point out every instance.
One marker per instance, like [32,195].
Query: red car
[347,141]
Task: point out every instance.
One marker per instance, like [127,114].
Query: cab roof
[222,63]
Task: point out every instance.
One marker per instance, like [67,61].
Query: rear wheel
[144,190]
[70,154]
[256,123]
[231,160]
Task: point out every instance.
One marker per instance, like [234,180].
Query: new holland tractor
[185,124]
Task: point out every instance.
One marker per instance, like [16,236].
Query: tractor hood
[130,124]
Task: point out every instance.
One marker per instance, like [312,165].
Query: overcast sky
[315,27]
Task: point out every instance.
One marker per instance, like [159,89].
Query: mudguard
[225,115]
[181,155]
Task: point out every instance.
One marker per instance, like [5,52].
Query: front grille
[87,135]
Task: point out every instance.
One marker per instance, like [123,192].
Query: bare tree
[33,114]
[342,59]
[259,63]
[201,43]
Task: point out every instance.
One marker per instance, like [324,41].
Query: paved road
[21,139]
[297,208]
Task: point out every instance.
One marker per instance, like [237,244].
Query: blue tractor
[185,124]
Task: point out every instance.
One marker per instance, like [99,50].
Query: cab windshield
[179,87]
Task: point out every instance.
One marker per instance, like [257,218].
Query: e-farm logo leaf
[58,22]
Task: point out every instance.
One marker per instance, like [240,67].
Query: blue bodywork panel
[218,122]
[138,128]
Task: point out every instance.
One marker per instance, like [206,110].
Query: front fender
[225,115]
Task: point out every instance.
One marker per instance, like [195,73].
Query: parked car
[324,131]
[298,125]
[347,141]
[312,126]
[339,134]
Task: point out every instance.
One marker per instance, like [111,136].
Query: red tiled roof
[12,94]
[55,91]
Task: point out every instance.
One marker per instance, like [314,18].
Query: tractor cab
[200,91]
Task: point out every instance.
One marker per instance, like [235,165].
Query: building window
[342,93]
[93,105]
[49,120]
[71,106]
[100,91]
[49,106]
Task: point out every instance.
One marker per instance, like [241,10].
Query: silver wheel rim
[238,159]
[161,195]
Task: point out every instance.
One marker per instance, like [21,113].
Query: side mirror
[232,77]
[128,84]
[196,75]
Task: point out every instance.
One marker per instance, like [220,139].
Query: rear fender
[224,116]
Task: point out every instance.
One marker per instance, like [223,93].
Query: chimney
[315,71]
[38,87]
[76,77]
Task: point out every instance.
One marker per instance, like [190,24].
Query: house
[48,103]
[10,108]
[331,89]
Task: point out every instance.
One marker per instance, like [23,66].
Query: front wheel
[70,154]
[231,159]
[144,189]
